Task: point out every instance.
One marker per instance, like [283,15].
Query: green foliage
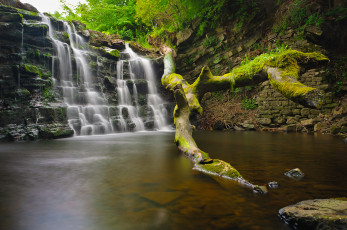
[138,19]
[339,13]
[218,95]
[109,16]
[248,104]
[210,41]
[246,12]
[48,95]
[299,18]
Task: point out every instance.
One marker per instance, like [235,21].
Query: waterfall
[154,101]
[87,108]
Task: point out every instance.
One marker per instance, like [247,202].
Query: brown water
[140,181]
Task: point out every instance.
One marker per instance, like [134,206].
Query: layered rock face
[235,42]
[55,83]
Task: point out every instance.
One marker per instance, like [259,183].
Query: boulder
[307,123]
[18,4]
[55,131]
[295,174]
[316,214]
[184,35]
[264,121]
[320,127]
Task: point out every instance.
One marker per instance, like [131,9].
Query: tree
[281,69]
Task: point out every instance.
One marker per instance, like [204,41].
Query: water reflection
[140,181]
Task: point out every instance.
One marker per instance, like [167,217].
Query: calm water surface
[140,181]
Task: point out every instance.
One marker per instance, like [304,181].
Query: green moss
[181,141]
[31,69]
[66,36]
[221,168]
[171,80]
[32,13]
[289,89]
[115,53]
[249,69]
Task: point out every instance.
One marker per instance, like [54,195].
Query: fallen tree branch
[281,69]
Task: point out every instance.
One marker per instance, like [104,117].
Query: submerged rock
[272,184]
[295,174]
[316,214]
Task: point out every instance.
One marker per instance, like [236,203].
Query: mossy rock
[37,30]
[316,214]
[10,17]
[30,70]
[56,132]
[220,168]
[30,15]
[115,53]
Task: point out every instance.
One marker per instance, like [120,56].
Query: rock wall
[229,45]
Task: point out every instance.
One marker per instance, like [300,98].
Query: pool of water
[141,181]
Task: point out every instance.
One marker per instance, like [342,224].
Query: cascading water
[88,112]
[87,108]
[154,101]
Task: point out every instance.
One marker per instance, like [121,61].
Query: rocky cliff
[268,28]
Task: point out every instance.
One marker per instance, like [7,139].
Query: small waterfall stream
[87,108]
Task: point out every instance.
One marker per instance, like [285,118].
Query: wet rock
[272,184]
[259,189]
[11,31]
[110,82]
[292,120]
[320,127]
[149,125]
[113,111]
[184,35]
[248,126]
[264,121]
[313,33]
[55,131]
[10,17]
[295,174]
[141,86]
[76,125]
[316,214]
[99,39]
[125,112]
[307,123]
[130,125]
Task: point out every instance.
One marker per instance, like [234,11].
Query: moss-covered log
[281,69]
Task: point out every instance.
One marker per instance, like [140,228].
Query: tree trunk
[281,69]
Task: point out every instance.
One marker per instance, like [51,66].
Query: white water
[88,112]
[154,101]
[87,108]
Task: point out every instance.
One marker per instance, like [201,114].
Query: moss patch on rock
[220,168]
